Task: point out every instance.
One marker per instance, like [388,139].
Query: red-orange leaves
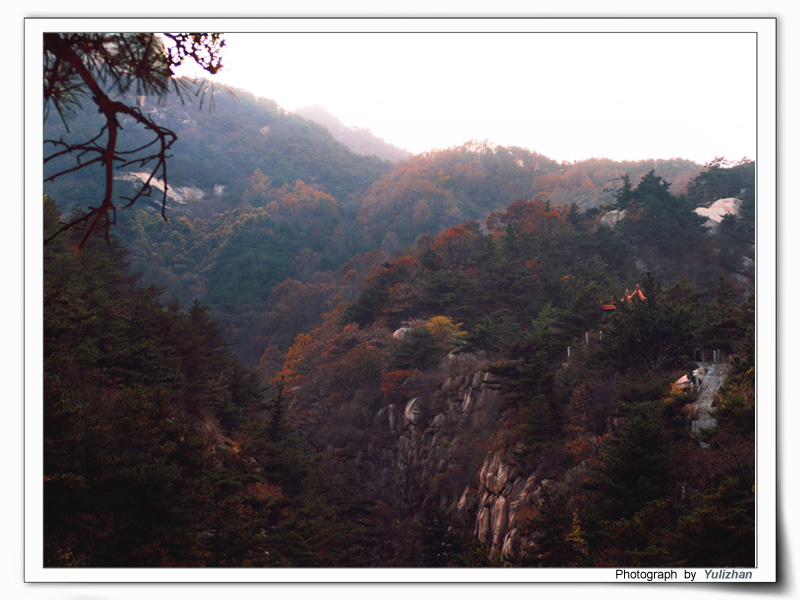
[535,217]
[457,245]
[300,201]
[392,386]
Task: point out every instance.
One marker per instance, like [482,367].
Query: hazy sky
[568,96]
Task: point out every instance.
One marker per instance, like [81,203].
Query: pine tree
[635,464]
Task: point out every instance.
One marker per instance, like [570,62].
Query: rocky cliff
[449,448]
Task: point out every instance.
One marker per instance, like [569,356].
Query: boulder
[719,210]
[400,334]
[612,217]
[512,544]
[698,375]
[683,384]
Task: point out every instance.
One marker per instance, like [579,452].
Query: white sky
[568,96]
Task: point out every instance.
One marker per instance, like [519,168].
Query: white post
[567,352]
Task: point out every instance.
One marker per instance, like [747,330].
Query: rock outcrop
[503,501]
[221,448]
[612,218]
[719,210]
[713,377]
[451,442]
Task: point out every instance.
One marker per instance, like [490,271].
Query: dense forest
[323,358]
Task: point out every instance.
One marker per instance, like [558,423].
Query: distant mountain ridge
[218,150]
[358,139]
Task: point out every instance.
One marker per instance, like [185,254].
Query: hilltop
[358,139]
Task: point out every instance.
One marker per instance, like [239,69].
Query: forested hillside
[476,356]
[224,136]
[261,197]
[477,378]
[514,307]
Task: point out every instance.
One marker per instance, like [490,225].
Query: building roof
[637,293]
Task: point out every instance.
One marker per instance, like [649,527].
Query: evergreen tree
[720,327]
[648,334]
[558,532]
[635,464]
[439,545]
[625,193]
[148,426]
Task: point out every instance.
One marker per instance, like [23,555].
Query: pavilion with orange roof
[637,293]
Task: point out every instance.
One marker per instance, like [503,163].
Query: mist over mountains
[358,139]
[333,353]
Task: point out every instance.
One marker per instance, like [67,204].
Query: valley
[327,358]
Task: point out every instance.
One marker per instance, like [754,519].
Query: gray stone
[477,380]
[612,217]
[413,411]
[719,210]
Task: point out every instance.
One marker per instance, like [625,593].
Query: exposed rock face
[683,384]
[413,411]
[713,377]
[719,210]
[612,217]
[498,501]
[451,444]
[443,445]
[698,375]
[220,446]
[181,195]
[505,499]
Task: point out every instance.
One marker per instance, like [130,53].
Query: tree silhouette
[104,68]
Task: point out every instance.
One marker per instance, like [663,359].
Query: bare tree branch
[97,65]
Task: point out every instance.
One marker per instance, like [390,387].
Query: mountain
[325,359]
[478,391]
[358,139]
[221,141]
[160,448]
